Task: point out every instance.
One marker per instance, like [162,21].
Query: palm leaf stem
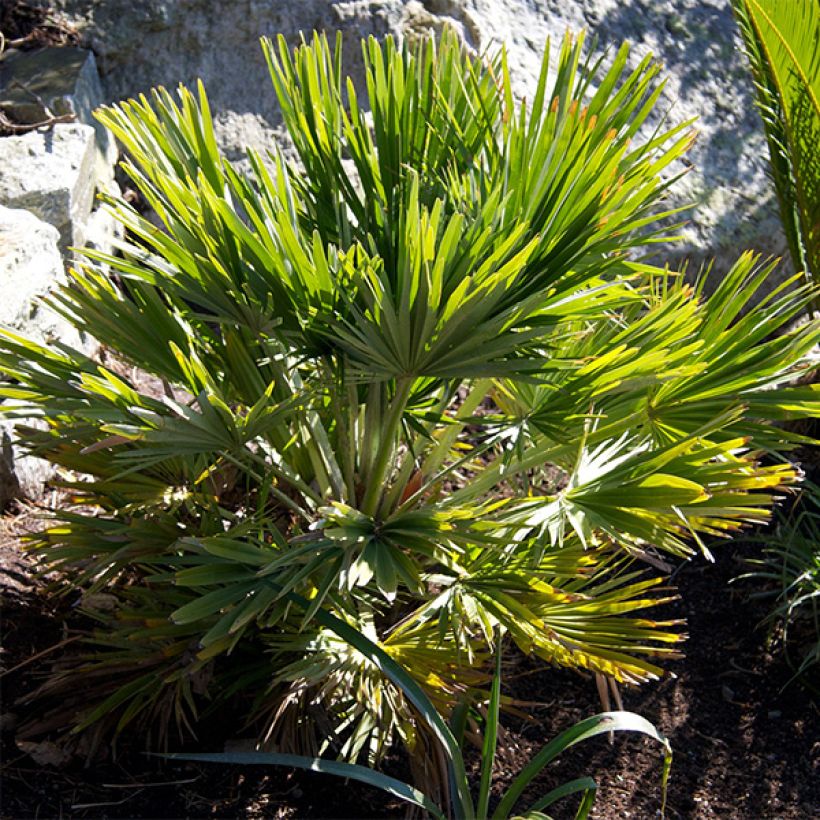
[390,428]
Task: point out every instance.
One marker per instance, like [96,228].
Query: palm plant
[421,378]
[783,46]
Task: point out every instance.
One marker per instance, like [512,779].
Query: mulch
[745,746]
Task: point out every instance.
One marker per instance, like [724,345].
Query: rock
[725,180]
[9,483]
[50,172]
[30,267]
[164,42]
[21,475]
[422,20]
[102,229]
[36,85]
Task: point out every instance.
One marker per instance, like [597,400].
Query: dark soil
[744,747]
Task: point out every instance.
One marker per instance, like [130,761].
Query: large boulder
[50,172]
[55,171]
[30,267]
[167,42]
[56,82]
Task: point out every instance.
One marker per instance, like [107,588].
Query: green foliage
[420,378]
[451,741]
[792,563]
[783,45]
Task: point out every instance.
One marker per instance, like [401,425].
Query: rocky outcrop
[50,172]
[55,171]
[30,267]
[166,42]
[36,86]
[48,180]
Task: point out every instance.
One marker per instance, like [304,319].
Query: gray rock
[164,42]
[30,267]
[35,85]
[50,172]
[21,475]
[726,182]
[102,229]
[9,483]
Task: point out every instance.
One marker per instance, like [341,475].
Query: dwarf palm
[419,377]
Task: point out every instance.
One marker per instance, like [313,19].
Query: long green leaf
[488,748]
[599,724]
[316,764]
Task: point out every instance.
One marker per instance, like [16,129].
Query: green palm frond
[783,45]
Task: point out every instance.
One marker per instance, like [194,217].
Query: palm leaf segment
[783,45]
[418,379]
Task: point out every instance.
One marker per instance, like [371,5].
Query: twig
[107,803]
[33,658]
[16,127]
[148,785]
[51,118]
[739,668]
[709,737]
